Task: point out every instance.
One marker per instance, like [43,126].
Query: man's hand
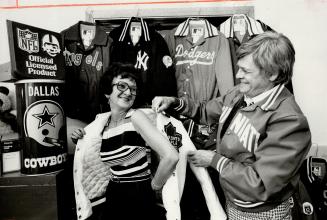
[161,103]
[77,134]
[201,158]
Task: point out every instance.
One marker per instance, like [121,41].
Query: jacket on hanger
[251,29]
[84,68]
[203,67]
[150,55]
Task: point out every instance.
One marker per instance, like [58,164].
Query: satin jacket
[259,155]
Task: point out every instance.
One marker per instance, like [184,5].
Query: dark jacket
[84,68]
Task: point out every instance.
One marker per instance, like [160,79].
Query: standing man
[263,136]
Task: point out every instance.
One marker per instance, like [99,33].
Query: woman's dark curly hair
[125,71]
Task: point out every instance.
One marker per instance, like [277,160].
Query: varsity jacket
[253,28]
[314,178]
[84,68]
[301,202]
[150,55]
[204,68]
[259,155]
[173,188]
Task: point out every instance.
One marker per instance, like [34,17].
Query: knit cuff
[178,105]
[218,162]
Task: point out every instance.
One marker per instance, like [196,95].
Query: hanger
[196,21]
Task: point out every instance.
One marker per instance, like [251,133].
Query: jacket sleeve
[224,68]
[201,112]
[278,157]
[162,68]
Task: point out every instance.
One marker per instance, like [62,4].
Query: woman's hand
[201,158]
[77,134]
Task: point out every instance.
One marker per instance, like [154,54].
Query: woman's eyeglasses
[122,86]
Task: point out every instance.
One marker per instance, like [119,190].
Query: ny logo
[141,61]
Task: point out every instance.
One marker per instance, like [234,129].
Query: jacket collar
[145,30]
[73,34]
[271,102]
[253,27]
[183,29]
[278,94]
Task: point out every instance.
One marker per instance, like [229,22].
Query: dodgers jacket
[84,68]
[260,154]
[204,68]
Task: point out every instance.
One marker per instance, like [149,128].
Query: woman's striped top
[124,150]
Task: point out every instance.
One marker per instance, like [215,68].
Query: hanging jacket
[150,55]
[204,68]
[84,68]
[253,28]
[314,178]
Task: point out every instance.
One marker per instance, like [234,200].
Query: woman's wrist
[155,187]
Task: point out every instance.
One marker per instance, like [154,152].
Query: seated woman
[125,134]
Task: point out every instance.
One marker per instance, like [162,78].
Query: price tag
[239,25]
[197,33]
[135,32]
[87,37]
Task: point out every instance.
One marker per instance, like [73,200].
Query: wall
[303,21]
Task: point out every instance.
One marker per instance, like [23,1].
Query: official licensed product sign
[42,125]
[35,53]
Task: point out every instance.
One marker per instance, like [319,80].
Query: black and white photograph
[163,110]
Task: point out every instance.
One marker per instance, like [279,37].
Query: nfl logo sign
[28,41]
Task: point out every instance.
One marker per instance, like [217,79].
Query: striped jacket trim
[209,30]
[126,28]
[253,26]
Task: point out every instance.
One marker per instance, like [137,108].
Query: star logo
[45,117]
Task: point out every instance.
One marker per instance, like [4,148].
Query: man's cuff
[178,105]
[219,162]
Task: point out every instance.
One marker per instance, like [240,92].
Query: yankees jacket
[150,55]
[84,68]
[204,68]
[259,155]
